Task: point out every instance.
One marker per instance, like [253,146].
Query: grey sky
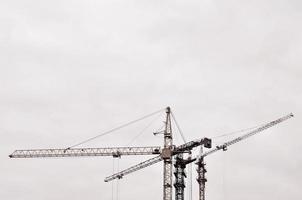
[72,69]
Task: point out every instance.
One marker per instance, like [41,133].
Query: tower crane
[181,163]
[165,154]
[200,159]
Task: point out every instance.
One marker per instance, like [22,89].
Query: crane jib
[238,139]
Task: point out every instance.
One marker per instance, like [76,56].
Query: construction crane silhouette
[165,154]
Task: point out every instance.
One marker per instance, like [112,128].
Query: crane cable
[112,184]
[117,181]
[115,184]
[143,130]
[178,127]
[238,131]
[115,129]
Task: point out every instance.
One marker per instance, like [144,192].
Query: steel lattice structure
[76,152]
[164,154]
[167,157]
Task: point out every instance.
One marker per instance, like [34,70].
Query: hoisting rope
[224,173]
[115,129]
[117,181]
[112,184]
[115,184]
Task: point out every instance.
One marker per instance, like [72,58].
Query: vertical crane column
[201,179]
[180,176]
[201,170]
[167,157]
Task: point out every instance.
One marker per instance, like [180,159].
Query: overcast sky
[70,70]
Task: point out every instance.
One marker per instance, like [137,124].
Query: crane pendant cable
[115,129]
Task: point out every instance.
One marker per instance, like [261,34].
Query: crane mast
[180,176]
[201,178]
[167,157]
[165,154]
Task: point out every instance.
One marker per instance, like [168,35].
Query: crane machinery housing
[169,154]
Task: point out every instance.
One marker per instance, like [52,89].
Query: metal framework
[76,152]
[200,161]
[243,137]
[134,168]
[163,154]
[185,148]
[201,179]
[167,157]
[180,175]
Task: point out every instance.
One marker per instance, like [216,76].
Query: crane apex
[168,109]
